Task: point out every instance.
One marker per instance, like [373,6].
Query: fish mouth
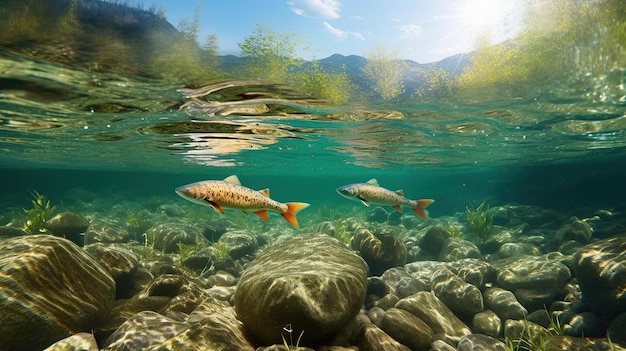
[344,191]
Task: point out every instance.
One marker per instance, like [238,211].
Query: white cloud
[411,30]
[315,8]
[342,34]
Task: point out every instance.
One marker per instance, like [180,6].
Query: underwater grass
[38,215]
[480,222]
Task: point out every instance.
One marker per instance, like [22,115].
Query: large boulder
[314,283]
[49,289]
[601,274]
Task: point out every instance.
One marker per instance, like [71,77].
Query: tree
[385,72]
[270,54]
[436,82]
[562,43]
[330,86]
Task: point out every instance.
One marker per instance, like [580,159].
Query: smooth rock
[487,323]
[434,239]
[455,249]
[381,251]
[167,236]
[504,304]
[76,342]
[480,342]
[407,329]
[68,225]
[10,232]
[473,271]
[312,282]
[617,329]
[50,286]
[577,230]
[103,232]
[239,243]
[121,264]
[464,299]
[601,273]
[427,307]
[535,281]
[372,338]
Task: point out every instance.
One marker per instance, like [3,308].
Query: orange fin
[421,205]
[216,207]
[262,214]
[265,192]
[292,209]
[232,179]
[397,208]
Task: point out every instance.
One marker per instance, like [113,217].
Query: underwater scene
[161,193]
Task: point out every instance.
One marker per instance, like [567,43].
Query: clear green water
[126,138]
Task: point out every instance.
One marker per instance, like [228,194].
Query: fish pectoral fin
[262,214]
[397,208]
[363,201]
[245,212]
[232,179]
[373,181]
[265,192]
[214,206]
[400,192]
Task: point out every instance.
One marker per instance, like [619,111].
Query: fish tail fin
[421,205]
[292,209]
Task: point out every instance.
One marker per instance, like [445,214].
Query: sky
[420,30]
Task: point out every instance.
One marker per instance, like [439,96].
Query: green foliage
[333,87]
[479,221]
[137,223]
[561,42]
[221,249]
[437,82]
[38,215]
[385,72]
[289,346]
[270,54]
[185,250]
[454,231]
[535,339]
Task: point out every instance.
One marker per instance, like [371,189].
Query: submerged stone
[49,289]
[601,275]
[314,284]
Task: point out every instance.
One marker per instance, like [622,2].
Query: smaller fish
[372,193]
[229,193]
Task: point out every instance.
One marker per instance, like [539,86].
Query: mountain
[352,65]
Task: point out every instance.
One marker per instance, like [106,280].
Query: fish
[372,193]
[229,193]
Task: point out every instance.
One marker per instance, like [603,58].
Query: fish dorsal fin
[400,192]
[373,181]
[232,179]
[265,192]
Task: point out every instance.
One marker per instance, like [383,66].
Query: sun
[496,18]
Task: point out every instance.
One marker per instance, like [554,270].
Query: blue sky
[420,30]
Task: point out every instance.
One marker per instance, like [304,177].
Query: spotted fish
[372,193]
[229,193]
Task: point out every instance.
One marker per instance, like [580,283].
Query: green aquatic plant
[479,221]
[454,231]
[185,250]
[221,249]
[531,339]
[38,215]
[137,223]
[290,346]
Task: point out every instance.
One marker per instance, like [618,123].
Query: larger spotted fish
[229,193]
[372,193]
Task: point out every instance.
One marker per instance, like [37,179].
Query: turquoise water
[64,128]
